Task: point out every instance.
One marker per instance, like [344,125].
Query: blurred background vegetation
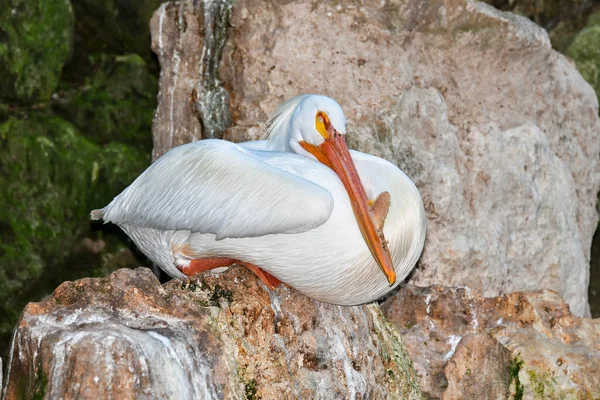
[78,86]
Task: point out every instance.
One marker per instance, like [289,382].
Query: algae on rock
[54,170]
[52,176]
[35,41]
[111,27]
[561,19]
[116,102]
[585,51]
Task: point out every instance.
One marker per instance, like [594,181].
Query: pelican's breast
[406,223]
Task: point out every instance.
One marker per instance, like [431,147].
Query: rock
[526,344]
[176,121]
[193,104]
[477,370]
[45,164]
[215,336]
[498,131]
[28,30]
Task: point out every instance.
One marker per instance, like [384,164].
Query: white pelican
[298,208]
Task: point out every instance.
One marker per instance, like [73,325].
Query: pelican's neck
[279,126]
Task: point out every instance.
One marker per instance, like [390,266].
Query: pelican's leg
[264,276]
[204,264]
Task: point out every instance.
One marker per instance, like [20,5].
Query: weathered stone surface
[477,370]
[499,132]
[523,344]
[177,40]
[28,29]
[217,336]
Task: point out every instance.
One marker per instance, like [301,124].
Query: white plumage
[272,204]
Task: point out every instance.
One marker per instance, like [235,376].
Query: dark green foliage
[220,293]
[41,383]
[116,102]
[561,19]
[56,168]
[35,41]
[51,177]
[110,27]
[585,51]
[514,368]
[250,390]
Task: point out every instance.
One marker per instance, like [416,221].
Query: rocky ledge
[226,336]
[523,345]
[211,337]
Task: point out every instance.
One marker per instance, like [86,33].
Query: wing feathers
[214,186]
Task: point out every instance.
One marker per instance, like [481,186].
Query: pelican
[340,226]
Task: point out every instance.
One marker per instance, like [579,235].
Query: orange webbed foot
[205,264]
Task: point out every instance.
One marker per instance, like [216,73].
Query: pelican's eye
[322,124]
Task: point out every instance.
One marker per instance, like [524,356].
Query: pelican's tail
[97,214]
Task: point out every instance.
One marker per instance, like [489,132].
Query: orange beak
[334,153]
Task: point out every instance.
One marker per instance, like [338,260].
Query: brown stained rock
[177,40]
[212,337]
[459,340]
[499,132]
[478,369]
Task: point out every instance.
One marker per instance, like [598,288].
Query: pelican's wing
[214,186]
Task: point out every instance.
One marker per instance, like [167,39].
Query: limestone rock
[477,370]
[498,131]
[217,336]
[523,344]
[177,40]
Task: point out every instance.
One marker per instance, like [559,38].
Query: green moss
[41,383]
[585,51]
[513,371]
[51,177]
[35,41]
[536,385]
[111,26]
[402,378]
[543,385]
[562,19]
[220,293]
[114,168]
[40,174]
[116,102]
[191,286]
[250,389]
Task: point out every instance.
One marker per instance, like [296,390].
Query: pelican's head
[316,128]
[314,119]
